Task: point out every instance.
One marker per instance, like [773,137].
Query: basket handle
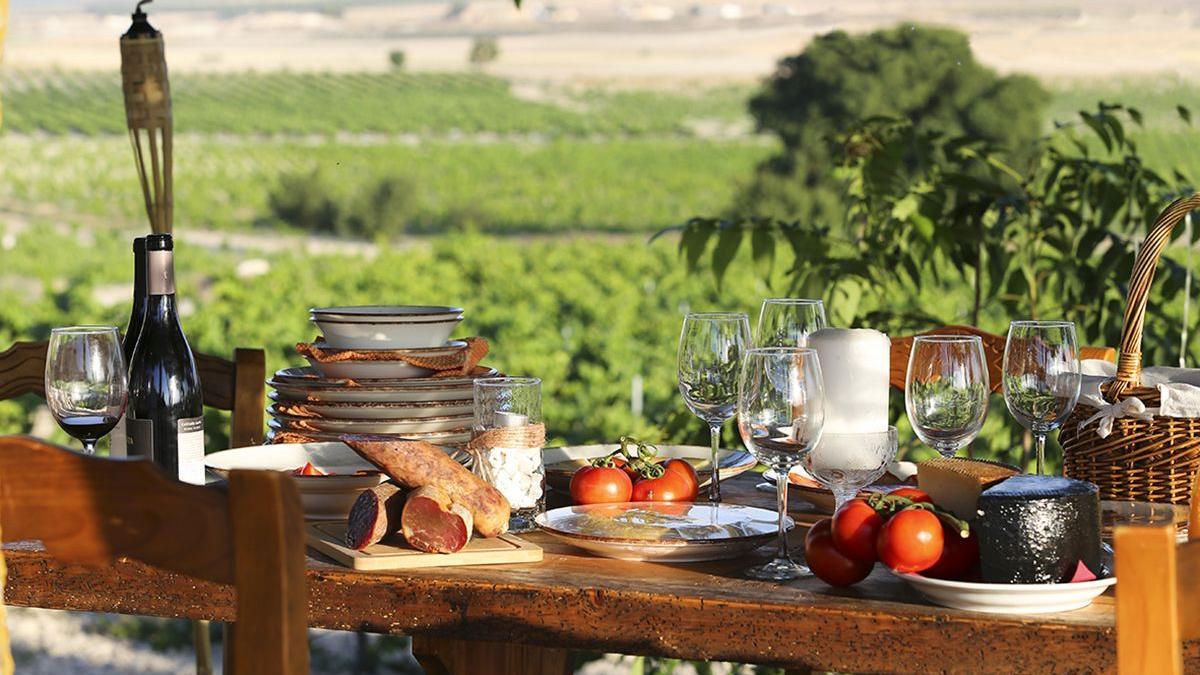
[1129,363]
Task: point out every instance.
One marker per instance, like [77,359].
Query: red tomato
[687,473]
[827,562]
[915,494]
[959,556]
[910,541]
[855,529]
[600,485]
[669,487]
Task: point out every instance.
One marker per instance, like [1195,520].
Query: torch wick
[139,5]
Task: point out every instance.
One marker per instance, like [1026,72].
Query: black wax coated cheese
[1036,529]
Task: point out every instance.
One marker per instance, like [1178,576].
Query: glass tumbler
[507,441]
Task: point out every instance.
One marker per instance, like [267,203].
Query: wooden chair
[91,511]
[238,386]
[1158,594]
[993,350]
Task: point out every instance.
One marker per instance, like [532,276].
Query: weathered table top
[573,600]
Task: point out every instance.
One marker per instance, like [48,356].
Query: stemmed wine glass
[710,349]
[86,381]
[1041,377]
[781,413]
[846,463]
[946,390]
[786,322]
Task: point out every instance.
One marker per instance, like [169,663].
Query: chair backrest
[91,510]
[238,385]
[1158,594]
[993,351]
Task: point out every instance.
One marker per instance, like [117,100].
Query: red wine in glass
[86,381]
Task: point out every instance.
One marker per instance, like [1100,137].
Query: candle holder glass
[507,441]
[846,463]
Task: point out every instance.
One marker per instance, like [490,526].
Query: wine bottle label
[160,273]
[117,443]
[191,450]
[189,446]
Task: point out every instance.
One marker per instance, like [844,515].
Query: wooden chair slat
[1148,626]
[135,511]
[23,370]
[268,536]
[92,510]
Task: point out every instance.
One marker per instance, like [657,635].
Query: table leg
[445,656]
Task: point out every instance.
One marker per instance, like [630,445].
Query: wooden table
[575,601]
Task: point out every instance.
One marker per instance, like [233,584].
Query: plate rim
[1023,589]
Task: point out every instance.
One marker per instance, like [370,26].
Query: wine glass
[946,390]
[781,412]
[1041,377]
[86,384]
[846,463]
[786,322]
[710,349]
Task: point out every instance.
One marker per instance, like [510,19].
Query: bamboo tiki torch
[148,115]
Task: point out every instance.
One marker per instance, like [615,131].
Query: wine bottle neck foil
[160,273]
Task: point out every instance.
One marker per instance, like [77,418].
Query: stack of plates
[328,400]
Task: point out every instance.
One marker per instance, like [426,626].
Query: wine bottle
[118,440]
[165,416]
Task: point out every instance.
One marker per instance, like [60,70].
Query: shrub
[484,50]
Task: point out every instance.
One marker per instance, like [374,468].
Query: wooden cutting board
[329,537]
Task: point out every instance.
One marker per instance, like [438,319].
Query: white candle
[856,367]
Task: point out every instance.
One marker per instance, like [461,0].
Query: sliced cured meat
[375,514]
[416,464]
[431,522]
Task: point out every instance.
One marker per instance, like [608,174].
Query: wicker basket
[1149,461]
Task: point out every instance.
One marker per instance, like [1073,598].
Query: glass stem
[781,490]
[840,497]
[714,484]
[89,447]
[1041,452]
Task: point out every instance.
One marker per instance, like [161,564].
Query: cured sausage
[375,514]
[432,523]
[415,464]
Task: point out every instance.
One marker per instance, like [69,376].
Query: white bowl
[385,334]
[382,411]
[322,497]
[1008,598]
[375,313]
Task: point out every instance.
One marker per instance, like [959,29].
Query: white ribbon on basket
[1108,412]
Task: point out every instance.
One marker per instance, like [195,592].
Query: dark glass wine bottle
[118,439]
[165,416]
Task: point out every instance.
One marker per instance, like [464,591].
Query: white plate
[561,463]
[384,411]
[442,438]
[376,426]
[663,531]
[385,334]
[371,313]
[322,497]
[1008,598]
[308,377]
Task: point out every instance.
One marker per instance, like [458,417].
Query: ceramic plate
[1008,598]
[322,497]
[562,462]
[443,438]
[375,426]
[385,411]
[370,313]
[663,532]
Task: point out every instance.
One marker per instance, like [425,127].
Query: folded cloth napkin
[1179,395]
[458,363]
[1179,399]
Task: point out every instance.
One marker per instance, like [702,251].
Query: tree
[927,76]
[484,50]
[396,57]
